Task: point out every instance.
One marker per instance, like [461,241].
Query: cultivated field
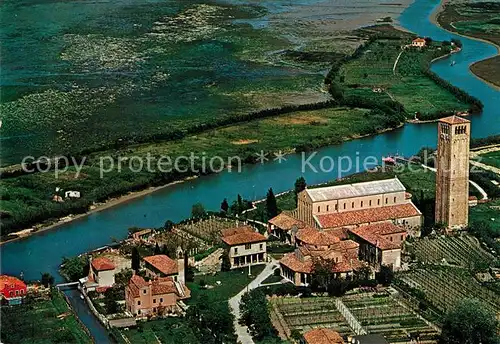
[445,286]
[304,314]
[385,315]
[208,230]
[463,250]
[491,158]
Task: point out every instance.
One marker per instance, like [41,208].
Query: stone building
[452,179]
[161,265]
[245,246]
[353,205]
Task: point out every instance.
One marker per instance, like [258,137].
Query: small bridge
[67,285]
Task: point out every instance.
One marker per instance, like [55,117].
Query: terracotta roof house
[418,42]
[283,225]
[298,266]
[12,290]
[159,296]
[144,234]
[322,336]
[380,244]
[245,246]
[161,265]
[101,275]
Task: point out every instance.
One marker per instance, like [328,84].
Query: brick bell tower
[452,178]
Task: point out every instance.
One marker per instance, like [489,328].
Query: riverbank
[360,111]
[487,70]
[113,202]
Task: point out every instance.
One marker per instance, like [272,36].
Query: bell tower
[452,178]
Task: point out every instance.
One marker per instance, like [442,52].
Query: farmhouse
[12,290]
[313,245]
[418,42]
[159,296]
[245,246]
[322,336]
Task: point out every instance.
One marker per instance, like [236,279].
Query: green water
[77,75]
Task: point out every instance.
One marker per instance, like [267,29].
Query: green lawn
[37,322]
[409,86]
[491,158]
[232,282]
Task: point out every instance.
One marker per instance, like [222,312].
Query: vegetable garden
[207,230]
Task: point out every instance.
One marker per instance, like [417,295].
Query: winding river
[43,252]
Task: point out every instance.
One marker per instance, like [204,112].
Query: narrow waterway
[43,252]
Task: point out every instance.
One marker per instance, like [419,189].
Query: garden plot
[462,251]
[444,287]
[208,230]
[304,314]
[382,314]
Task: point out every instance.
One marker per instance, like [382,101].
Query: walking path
[473,154]
[234,303]
[479,188]
[397,60]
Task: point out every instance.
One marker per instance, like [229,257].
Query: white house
[246,246]
[72,194]
[101,275]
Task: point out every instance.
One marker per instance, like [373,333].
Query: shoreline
[433,18]
[138,194]
[110,203]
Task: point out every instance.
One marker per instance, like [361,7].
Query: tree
[136,259]
[336,92]
[255,314]
[385,276]
[211,321]
[457,42]
[47,279]
[198,210]
[300,185]
[110,297]
[224,206]
[271,205]
[168,225]
[428,41]
[469,323]
[75,268]
[322,273]
[157,249]
[226,263]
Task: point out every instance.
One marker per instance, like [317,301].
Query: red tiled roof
[9,280]
[102,264]
[323,336]
[162,263]
[316,237]
[454,120]
[371,215]
[374,234]
[285,221]
[159,286]
[419,39]
[291,261]
[241,235]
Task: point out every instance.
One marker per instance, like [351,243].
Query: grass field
[408,85]
[491,158]
[42,322]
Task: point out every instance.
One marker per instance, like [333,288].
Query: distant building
[312,245]
[245,246]
[322,336]
[159,296]
[12,290]
[101,275]
[72,194]
[452,177]
[162,265]
[472,201]
[418,42]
